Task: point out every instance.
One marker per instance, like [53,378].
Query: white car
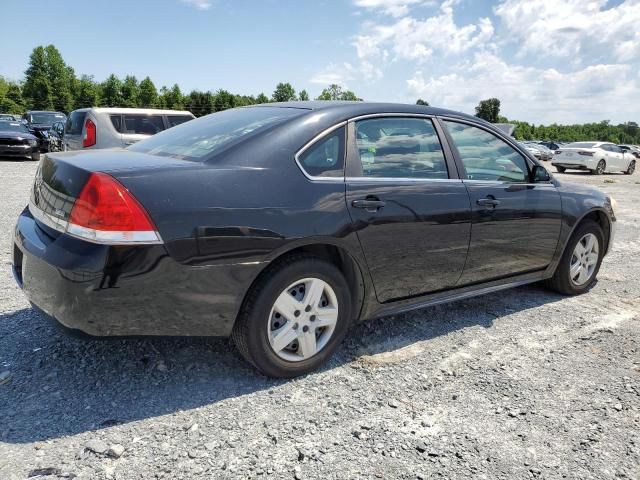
[117,127]
[597,157]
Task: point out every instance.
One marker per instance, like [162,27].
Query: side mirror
[540,174]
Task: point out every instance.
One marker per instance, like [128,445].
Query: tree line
[604,131]
[51,84]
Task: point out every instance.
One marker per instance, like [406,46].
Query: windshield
[13,127]
[582,145]
[46,118]
[199,139]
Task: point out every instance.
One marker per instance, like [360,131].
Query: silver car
[117,127]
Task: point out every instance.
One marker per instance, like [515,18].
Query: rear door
[617,157]
[73,131]
[410,210]
[515,222]
[138,126]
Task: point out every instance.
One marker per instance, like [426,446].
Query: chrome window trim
[386,114]
[402,180]
[500,182]
[309,144]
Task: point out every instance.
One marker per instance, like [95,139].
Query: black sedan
[17,141]
[282,224]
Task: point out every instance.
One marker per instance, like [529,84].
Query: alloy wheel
[632,168]
[584,259]
[302,319]
[600,168]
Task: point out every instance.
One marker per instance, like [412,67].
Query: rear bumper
[124,291]
[574,166]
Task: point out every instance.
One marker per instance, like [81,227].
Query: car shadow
[62,386]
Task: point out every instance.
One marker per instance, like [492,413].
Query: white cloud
[575,29]
[395,8]
[199,4]
[418,39]
[597,92]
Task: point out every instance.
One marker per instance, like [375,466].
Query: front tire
[600,168]
[631,168]
[581,260]
[294,318]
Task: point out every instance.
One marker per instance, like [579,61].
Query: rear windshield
[46,118]
[198,139]
[582,145]
[140,124]
[174,120]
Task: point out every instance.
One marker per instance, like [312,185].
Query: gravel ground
[518,384]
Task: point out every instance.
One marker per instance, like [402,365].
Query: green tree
[223,100]
[304,96]
[37,89]
[147,93]
[171,98]
[111,92]
[11,100]
[130,91]
[200,103]
[262,98]
[86,92]
[284,92]
[61,78]
[489,110]
[422,102]
[335,92]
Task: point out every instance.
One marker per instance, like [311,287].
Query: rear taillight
[106,212]
[89,139]
[586,154]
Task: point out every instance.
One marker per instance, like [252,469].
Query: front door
[408,206]
[515,222]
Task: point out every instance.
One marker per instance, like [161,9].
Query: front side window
[485,156]
[399,147]
[325,158]
[143,124]
[174,120]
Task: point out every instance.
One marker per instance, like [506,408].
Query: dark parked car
[281,224]
[8,117]
[39,124]
[17,141]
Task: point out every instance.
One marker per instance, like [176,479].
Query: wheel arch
[599,216]
[328,250]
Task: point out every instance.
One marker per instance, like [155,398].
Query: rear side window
[174,120]
[400,148]
[142,124]
[485,156]
[325,158]
[116,121]
[200,139]
[75,122]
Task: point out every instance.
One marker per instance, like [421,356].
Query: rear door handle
[369,205]
[488,202]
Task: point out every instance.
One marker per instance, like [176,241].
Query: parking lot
[517,384]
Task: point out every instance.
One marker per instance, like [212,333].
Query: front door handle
[370,205]
[488,202]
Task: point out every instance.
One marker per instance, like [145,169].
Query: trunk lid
[61,176]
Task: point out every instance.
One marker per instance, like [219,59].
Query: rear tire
[631,168]
[600,168]
[256,330]
[561,169]
[563,278]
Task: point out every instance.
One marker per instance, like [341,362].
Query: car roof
[364,108]
[45,111]
[158,111]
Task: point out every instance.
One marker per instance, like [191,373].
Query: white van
[117,127]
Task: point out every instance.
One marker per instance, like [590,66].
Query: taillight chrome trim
[100,237]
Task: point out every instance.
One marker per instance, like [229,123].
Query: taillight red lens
[106,205]
[89,139]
